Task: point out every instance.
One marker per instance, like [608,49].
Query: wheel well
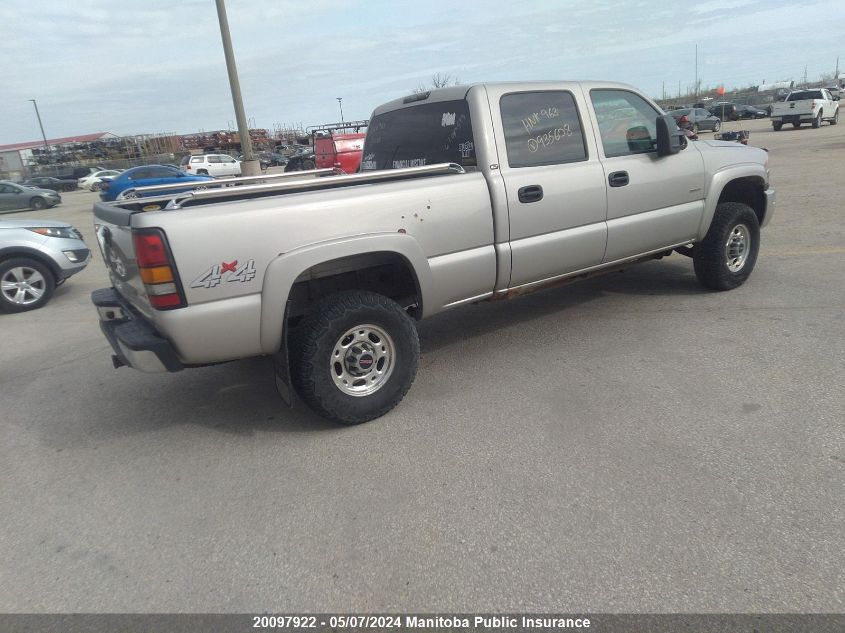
[748,191]
[41,259]
[386,273]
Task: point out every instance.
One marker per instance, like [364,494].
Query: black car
[725,111]
[302,158]
[696,120]
[48,182]
[751,112]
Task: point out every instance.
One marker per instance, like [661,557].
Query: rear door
[215,166]
[553,180]
[652,201]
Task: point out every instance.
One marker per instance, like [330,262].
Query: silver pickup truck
[466,193]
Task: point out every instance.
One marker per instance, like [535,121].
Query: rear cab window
[419,135]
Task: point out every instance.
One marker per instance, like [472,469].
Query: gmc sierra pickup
[465,193]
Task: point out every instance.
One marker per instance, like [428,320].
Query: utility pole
[679,88]
[44,136]
[249,166]
[664,91]
[696,72]
[805,75]
[340,104]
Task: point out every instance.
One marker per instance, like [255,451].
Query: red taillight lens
[188,166]
[683,119]
[157,269]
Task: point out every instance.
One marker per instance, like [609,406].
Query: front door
[554,183]
[652,201]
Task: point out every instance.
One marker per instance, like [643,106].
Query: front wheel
[25,284]
[817,122]
[36,204]
[726,256]
[96,186]
[354,356]
[717,126]
[835,118]
[777,126]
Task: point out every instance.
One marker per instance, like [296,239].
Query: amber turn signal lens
[157,275]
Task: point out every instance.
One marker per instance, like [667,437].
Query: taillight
[188,166]
[157,270]
[683,119]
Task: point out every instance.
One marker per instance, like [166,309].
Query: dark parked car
[303,158]
[725,111]
[751,112]
[696,120]
[48,182]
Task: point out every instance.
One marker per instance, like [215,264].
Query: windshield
[420,135]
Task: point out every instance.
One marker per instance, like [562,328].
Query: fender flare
[718,183]
[282,272]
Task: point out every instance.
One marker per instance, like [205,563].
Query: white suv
[211,165]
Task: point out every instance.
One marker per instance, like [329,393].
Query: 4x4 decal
[233,272]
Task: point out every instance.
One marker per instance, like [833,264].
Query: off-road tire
[777,126]
[49,283]
[36,204]
[710,256]
[313,341]
[817,122]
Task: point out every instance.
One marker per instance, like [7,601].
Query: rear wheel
[202,172]
[796,125]
[726,256]
[308,164]
[36,204]
[96,186]
[25,284]
[354,356]
[695,128]
[777,126]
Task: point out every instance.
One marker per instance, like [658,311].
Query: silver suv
[35,257]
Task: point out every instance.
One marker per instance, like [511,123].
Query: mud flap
[281,364]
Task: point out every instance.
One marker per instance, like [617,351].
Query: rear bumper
[134,340]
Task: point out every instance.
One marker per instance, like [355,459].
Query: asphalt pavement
[631,443]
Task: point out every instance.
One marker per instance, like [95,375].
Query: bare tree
[438,80]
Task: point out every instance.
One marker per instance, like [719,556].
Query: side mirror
[668,136]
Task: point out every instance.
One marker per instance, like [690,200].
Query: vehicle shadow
[658,278]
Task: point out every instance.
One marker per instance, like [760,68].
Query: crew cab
[806,106]
[465,194]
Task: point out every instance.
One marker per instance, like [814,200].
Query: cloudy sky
[153,66]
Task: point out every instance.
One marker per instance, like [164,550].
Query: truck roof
[452,93]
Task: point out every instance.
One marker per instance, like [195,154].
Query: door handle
[618,179]
[531,193]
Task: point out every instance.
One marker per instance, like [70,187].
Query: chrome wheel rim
[737,247]
[362,360]
[23,285]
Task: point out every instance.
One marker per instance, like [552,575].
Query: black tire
[96,186]
[835,118]
[796,125]
[717,126]
[817,122]
[711,256]
[46,286]
[36,204]
[316,339]
[308,164]
[202,172]
[777,126]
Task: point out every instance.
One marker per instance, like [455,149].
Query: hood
[32,223]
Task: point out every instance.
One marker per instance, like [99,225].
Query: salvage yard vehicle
[35,257]
[94,181]
[14,196]
[806,106]
[211,165]
[48,182]
[466,193]
[124,185]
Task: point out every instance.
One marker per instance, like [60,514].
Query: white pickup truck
[806,106]
[466,193]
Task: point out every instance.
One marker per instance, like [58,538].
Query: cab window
[627,122]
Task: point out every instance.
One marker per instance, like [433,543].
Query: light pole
[44,136]
[340,104]
[250,166]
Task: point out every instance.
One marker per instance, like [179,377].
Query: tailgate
[113,226]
